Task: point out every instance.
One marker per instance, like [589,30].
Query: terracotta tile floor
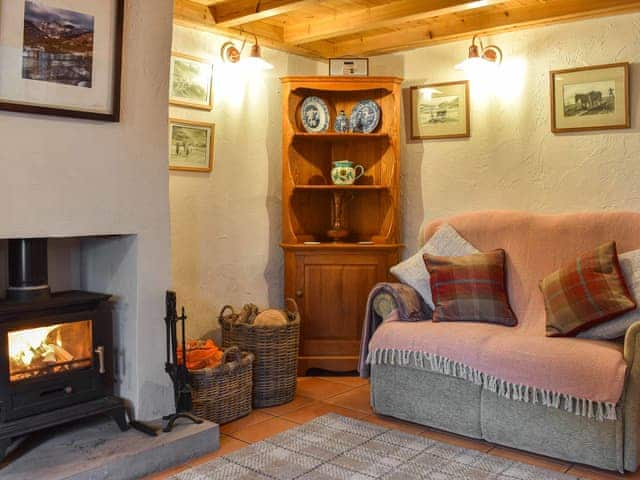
[350,397]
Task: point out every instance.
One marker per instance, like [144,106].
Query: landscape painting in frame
[440,110]
[191,82]
[61,57]
[590,98]
[191,145]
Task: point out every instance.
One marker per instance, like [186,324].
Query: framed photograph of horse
[190,145]
[440,110]
[590,98]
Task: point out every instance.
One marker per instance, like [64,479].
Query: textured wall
[225,225]
[65,177]
[512,160]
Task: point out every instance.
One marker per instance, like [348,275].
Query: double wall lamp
[480,56]
[231,55]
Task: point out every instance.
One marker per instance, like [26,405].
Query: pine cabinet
[330,279]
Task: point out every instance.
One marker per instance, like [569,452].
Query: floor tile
[591,473]
[394,423]
[356,399]
[320,388]
[254,417]
[262,430]
[530,458]
[351,381]
[227,445]
[457,440]
[317,409]
[298,402]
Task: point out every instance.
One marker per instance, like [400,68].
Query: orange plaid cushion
[587,291]
[470,288]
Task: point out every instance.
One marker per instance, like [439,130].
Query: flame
[24,343]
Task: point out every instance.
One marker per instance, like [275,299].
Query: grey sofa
[457,405]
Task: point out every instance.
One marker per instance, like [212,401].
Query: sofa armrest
[632,344]
[386,300]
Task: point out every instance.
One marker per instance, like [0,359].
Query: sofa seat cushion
[593,370]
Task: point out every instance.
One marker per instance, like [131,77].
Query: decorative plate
[365,116]
[315,115]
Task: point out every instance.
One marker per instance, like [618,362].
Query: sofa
[569,398]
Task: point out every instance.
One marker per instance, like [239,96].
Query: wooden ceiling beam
[389,14]
[239,12]
[198,16]
[487,22]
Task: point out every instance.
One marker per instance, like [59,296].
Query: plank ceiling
[338,28]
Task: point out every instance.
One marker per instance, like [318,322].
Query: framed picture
[440,110]
[590,98]
[190,145]
[191,82]
[61,57]
[348,67]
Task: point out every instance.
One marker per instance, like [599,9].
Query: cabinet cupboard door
[333,291]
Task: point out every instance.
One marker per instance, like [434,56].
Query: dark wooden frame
[627,103]
[348,58]
[466,134]
[181,103]
[114,116]
[211,145]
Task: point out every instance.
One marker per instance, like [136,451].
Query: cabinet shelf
[342,246]
[331,136]
[340,187]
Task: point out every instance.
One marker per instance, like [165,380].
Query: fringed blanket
[409,308]
[584,377]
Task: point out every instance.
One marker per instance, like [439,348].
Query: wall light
[254,61]
[480,57]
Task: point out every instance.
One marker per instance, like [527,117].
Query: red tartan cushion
[587,291]
[470,288]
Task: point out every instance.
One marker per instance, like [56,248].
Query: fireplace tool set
[177,370]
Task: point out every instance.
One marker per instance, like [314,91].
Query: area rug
[333,447]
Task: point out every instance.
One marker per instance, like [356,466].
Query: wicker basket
[276,355]
[223,394]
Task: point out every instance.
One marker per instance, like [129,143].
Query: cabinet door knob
[299,293]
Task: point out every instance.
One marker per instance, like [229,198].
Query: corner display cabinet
[338,240]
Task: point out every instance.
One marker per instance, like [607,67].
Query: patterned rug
[333,447]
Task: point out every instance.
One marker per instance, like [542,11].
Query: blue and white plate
[314,115]
[365,116]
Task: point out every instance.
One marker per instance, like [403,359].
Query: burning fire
[37,346]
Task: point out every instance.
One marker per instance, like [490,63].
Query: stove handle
[100,351]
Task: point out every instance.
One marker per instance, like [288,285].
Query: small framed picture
[590,98]
[191,83]
[440,110]
[61,58]
[190,145]
[348,67]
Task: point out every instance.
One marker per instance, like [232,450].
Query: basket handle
[221,316]
[233,353]
[295,305]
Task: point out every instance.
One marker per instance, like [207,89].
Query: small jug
[341,124]
[344,173]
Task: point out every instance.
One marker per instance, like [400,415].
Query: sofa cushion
[585,369]
[539,244]
[470,288]
[617,327]
[586,291]
[446,242]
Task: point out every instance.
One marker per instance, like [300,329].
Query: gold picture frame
[191,82]
[440,110]
[191,145]
[589,98]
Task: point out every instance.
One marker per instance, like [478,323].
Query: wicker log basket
[276,354]
[223,394]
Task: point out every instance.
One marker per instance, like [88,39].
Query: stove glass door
[41,351]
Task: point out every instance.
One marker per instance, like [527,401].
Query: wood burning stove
[56,350]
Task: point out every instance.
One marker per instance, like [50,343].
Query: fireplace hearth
[56,350]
